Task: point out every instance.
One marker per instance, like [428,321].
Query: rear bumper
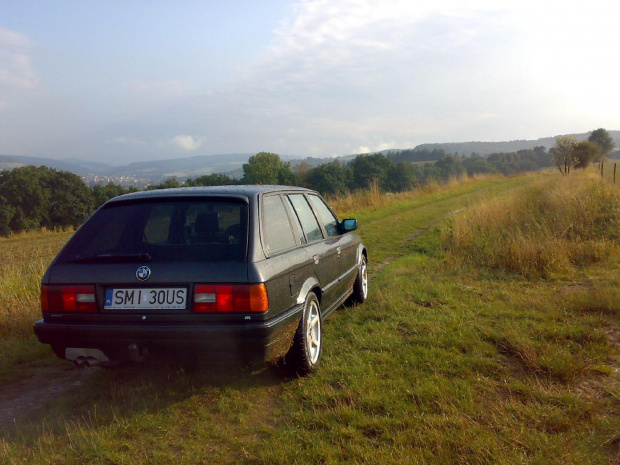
[247,341]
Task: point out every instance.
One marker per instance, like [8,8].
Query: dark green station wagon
[248,272]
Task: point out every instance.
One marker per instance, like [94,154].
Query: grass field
[459,356]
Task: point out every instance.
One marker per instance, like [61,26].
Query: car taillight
[227,298]
[61,298]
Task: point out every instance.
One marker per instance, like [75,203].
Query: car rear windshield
[205,230]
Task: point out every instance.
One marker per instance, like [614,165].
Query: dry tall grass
[372,197]
[23,260]
[363,198]
[545,229]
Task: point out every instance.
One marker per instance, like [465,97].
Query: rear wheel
[360,287]
[305,354]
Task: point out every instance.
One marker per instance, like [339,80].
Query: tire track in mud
[24,396]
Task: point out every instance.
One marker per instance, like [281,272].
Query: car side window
[297,224]
[330,222]
[306,217]
[277,232]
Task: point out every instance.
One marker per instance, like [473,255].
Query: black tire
[304,355]
[360,286]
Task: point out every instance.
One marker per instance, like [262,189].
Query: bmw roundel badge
[143,273]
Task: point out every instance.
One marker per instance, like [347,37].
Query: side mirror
[349,225]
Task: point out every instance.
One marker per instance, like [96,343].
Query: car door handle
[339,250]
[316,259]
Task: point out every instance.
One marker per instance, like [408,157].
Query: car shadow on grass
[54,397]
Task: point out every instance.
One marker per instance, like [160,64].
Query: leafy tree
[214,179]
[329,179]
[602,138]
[6,213]
[70,200]
[103,193]
[302,172]
[170,183]
[267,168]
[401,177]
[40,196]
[585,152]
[562,153]
[24,189]
[367,168]
[450,167]
[479,165]
[429,172]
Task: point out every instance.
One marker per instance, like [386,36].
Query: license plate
[151,298]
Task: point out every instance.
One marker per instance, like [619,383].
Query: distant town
[126,181]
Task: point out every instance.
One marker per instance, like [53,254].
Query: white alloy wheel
[360,286]
[313,332]
[304,356]
[364,276]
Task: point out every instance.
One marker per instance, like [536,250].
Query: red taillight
[76,299]
[230,298]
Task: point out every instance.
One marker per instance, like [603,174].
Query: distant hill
[182,167]
[78,167]
[487,148]
[155,170]
[90,166]
[232,164]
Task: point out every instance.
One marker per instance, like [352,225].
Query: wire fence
[611,168]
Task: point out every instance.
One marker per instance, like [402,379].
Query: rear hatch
[153,256]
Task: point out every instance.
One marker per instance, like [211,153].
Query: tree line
[34,197]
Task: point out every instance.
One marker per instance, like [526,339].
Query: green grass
[449,361]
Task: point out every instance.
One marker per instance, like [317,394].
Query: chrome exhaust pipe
[84,357]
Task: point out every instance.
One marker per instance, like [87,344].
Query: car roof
[247,191]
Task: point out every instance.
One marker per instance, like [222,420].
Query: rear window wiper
[114,258]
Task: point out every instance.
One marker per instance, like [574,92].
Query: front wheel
[304,355]
[360,286]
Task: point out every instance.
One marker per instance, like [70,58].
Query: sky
[123,81]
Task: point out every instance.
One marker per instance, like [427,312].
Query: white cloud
[355,73]
[340,76]
[188,143]
[16,69]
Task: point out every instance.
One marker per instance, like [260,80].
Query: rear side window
[277,232]
[306,217]
[209,230]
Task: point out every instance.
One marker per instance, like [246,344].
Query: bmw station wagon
[248,272]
